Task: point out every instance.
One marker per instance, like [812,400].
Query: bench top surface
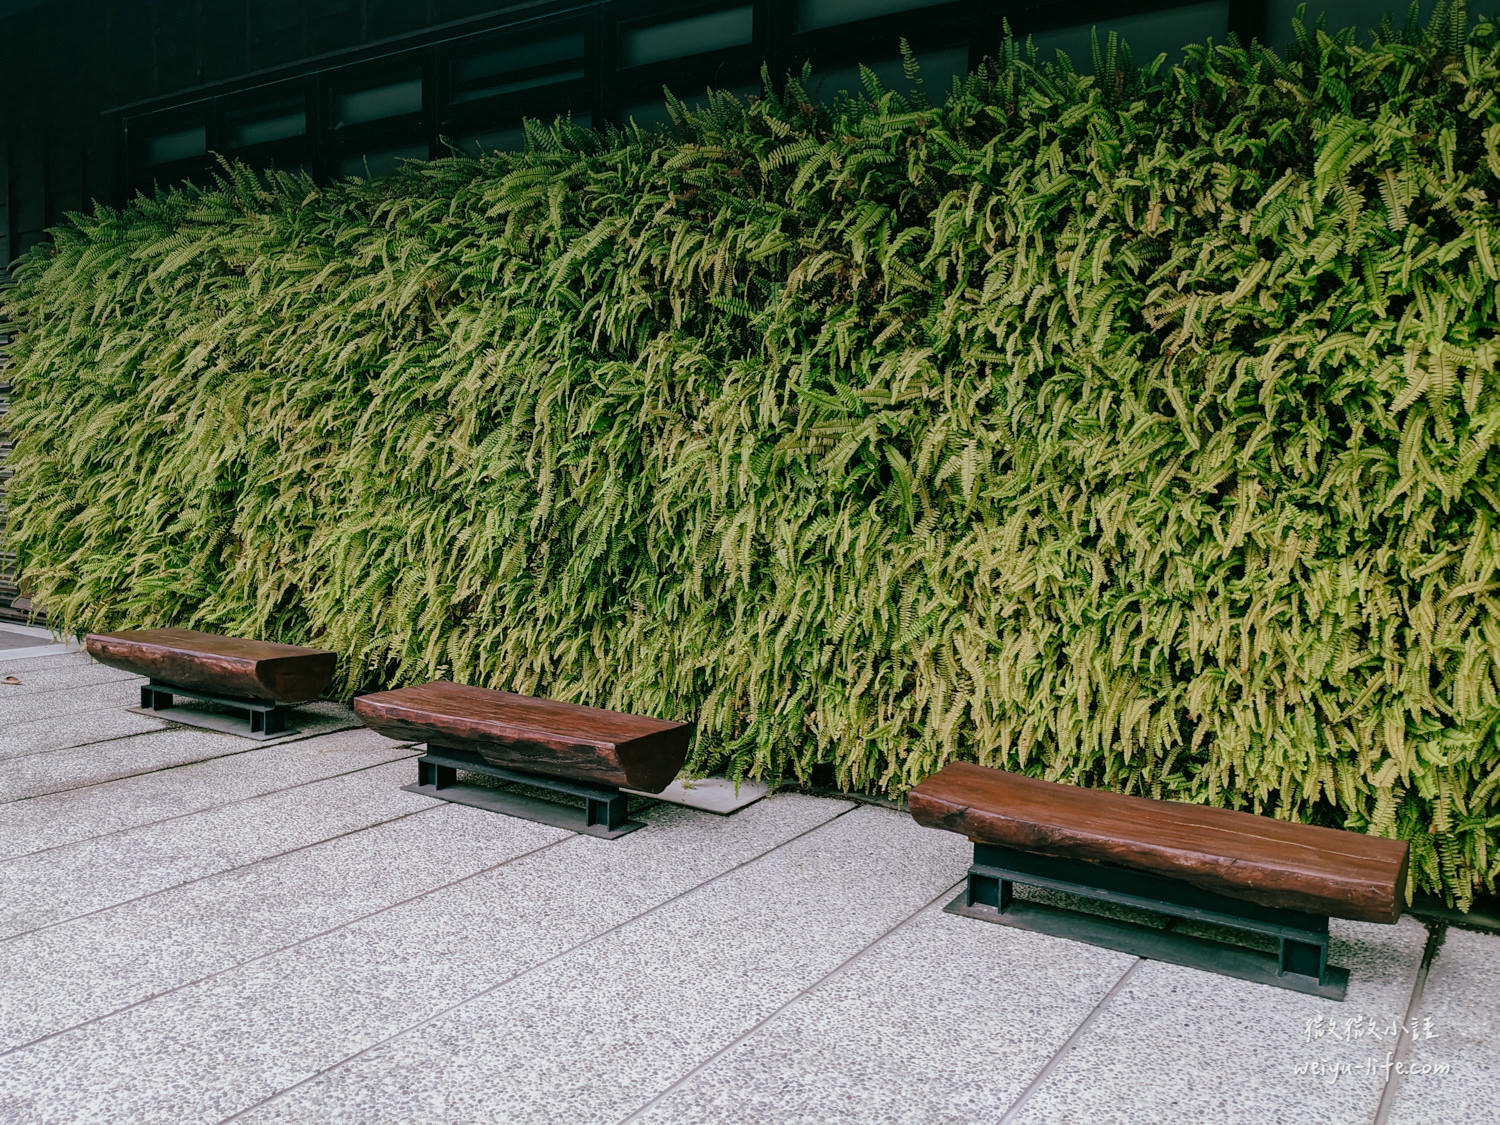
[192,642]
[458,709]
[1278,862]
[229,666]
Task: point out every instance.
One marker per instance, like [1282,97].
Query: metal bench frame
[605,811]
[267,720]
[1300,962]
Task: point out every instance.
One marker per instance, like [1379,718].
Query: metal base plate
[1155,945]
[205,719]
[520,805]
[257,714]
[604,814]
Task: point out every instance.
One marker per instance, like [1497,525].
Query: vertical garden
[1134,429]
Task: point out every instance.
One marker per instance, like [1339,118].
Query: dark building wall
[105,97]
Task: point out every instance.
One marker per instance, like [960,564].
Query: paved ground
[197,927]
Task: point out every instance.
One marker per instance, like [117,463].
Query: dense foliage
[1134,430]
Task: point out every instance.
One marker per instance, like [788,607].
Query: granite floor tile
[62,701]
[23,643]
[76,879]
[1177,1044]
[1451,1072]
[36,775]
[55,978]
[947,1019]
[32,652]
[64,732]
[80,814]
[598,1033]
[76,658]
[280,1019]
[48,674]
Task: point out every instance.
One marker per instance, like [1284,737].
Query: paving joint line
[807,991]
[22,655]
[27,665]
[1067,1047]
[104,706]
[209,808]
[79,745]
[542,964]
[1435,936]
[300,736]
[216,874]
[165,726]
[32,689]
[42,679]
[283,948]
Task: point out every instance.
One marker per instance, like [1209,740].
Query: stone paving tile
[80,814]
[268,1024]
[56,978]
[596,1034]
[945,1020]
[39,774]
[52,660]
[64,732]
[76,879]
[73,700]
[26,651]
[1177,1044]
[22,643]
[1452,1071]
[48,674]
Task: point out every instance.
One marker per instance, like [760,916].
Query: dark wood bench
[563,748]
[255,676]
[1205,865]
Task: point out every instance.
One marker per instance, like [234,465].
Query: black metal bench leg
[154,699]
[268,722]
[1304,958]
[430,773]
[608,812]
[986,890]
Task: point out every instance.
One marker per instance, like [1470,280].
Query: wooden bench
[578,752]
[255,676]
[1205,865]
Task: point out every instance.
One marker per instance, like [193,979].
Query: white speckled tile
[55,978]
[20,642]
[1178,1044]
[240,1036]
[52,733]
[37,775]
[598,1033]
[49,674]
[80,814]
[945,1020]
[1452,1070]
[60,701]
[65,882]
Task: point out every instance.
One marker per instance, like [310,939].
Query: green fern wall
[1136,432]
